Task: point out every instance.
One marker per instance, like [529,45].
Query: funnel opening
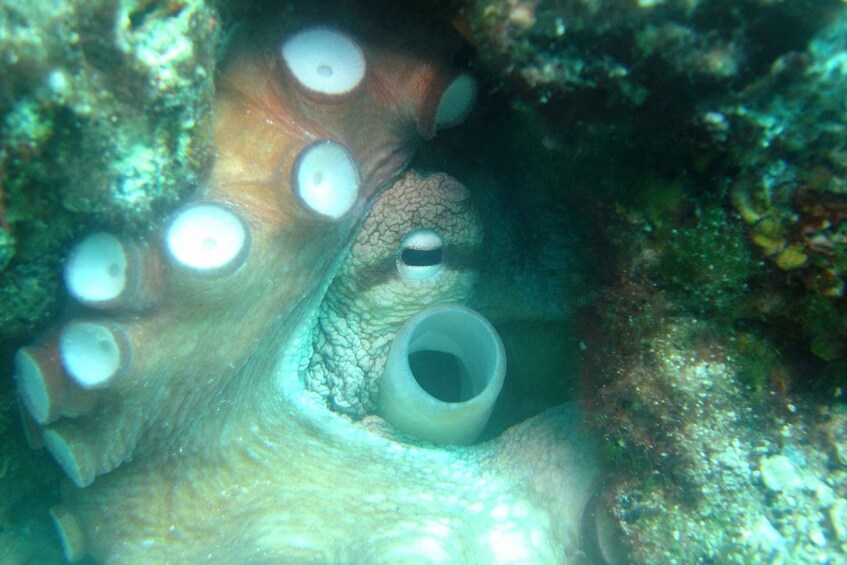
[442,375]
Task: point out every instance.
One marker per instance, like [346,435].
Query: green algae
[105,124]
[709,263]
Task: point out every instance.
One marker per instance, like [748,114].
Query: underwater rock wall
[704,140]
[787,133]
[698,104]
[622,52]
[105,111]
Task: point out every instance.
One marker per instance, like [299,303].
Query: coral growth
[720,465]
[788,137]
[99,128]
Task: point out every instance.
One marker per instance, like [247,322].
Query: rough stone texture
[716,97]
[705,139]
[104,113]
[708,469]
[622,52]
[787,134]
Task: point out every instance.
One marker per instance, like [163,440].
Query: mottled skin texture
[369,300]
[211,448]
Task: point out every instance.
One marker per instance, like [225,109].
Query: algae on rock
[104,122]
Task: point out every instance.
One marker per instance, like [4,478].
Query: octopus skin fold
[204,399]
[372,294]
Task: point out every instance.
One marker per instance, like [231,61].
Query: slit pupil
[421,257]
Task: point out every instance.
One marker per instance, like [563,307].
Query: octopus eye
[456,101]
[208,238]
[325,178]
[324,62]
[421,255]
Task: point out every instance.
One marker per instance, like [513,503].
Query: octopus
[288,371]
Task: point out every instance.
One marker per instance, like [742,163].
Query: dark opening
[442,375]
[421,257]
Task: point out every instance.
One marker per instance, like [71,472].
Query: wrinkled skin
[369,299]
[212,447]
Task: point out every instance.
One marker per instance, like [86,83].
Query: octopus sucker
[104,272]
[236,387]
[325,63]
[207,238]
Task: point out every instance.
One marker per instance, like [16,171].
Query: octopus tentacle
[214,393]
[286,479]
[250,246]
